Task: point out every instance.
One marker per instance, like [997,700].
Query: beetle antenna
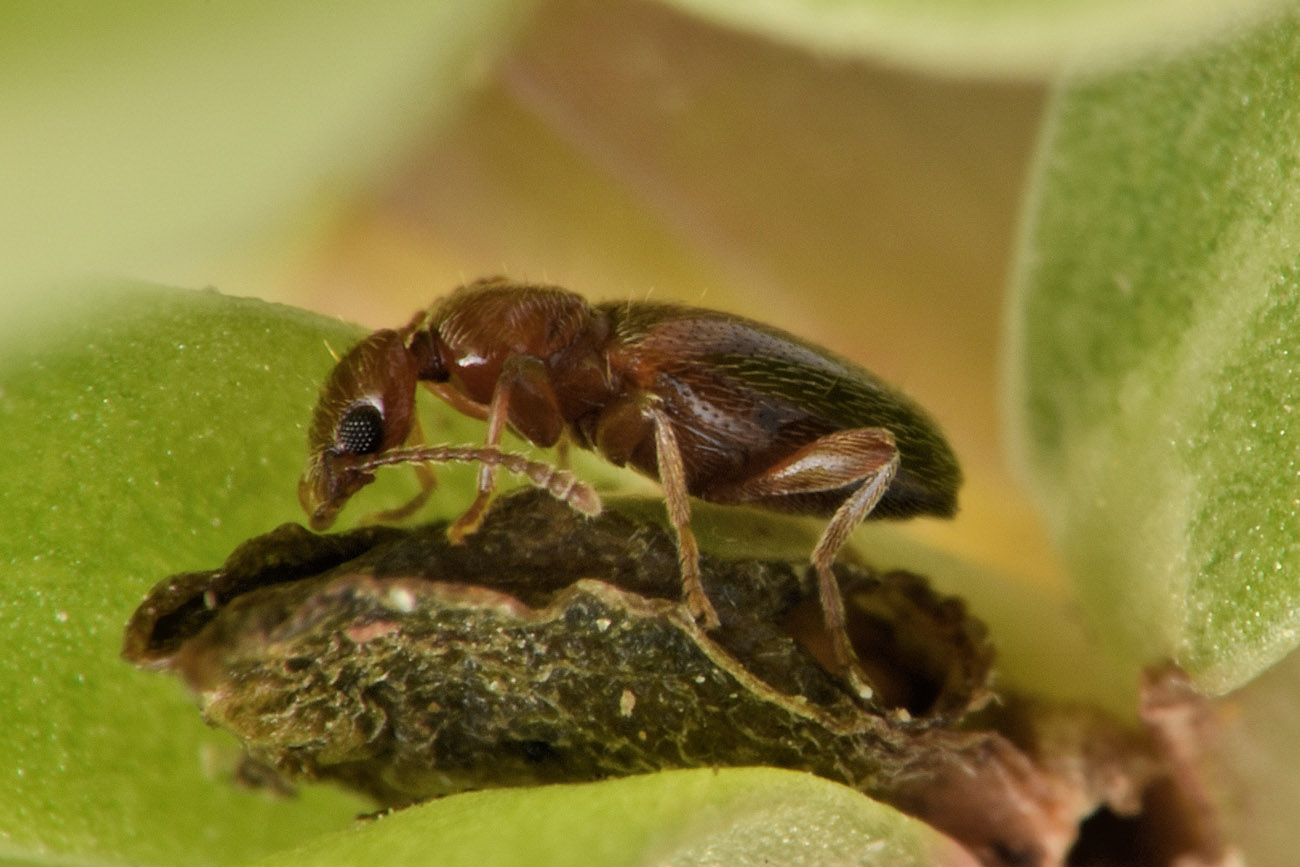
[330,350]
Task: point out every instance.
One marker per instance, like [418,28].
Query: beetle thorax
[479,327]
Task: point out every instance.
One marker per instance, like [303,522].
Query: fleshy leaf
[741,816]
[146,434]
[1018,37]
[1155,358]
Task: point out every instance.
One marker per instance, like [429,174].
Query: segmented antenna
[561,484]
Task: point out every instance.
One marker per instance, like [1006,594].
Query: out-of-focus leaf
[999,37]
[143,137]
[1155,361]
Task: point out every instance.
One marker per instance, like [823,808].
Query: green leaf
[999,37]
[145,136]
[142,437]
[1154,356]
[733,816]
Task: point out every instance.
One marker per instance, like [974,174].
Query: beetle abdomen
[744,395]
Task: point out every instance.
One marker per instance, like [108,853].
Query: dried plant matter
[555,648]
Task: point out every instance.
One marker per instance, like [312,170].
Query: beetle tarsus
[470,520]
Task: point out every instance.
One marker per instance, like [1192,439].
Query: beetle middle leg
[672,476]
[865,457]
[623,427]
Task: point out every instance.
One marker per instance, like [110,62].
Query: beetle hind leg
[847,517]
[866,458]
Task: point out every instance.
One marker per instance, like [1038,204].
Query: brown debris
[556,648]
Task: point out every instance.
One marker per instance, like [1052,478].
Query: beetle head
[366,407]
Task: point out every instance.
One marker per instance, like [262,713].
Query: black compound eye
[361,432]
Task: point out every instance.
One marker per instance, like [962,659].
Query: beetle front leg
[523,385]
[470,519]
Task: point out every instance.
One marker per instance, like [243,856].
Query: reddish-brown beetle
[712,405]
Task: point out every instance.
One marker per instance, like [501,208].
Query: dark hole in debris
[536,752]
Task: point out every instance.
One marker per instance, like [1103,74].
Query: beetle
[713,405]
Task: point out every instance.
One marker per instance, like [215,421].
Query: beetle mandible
[713,405]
